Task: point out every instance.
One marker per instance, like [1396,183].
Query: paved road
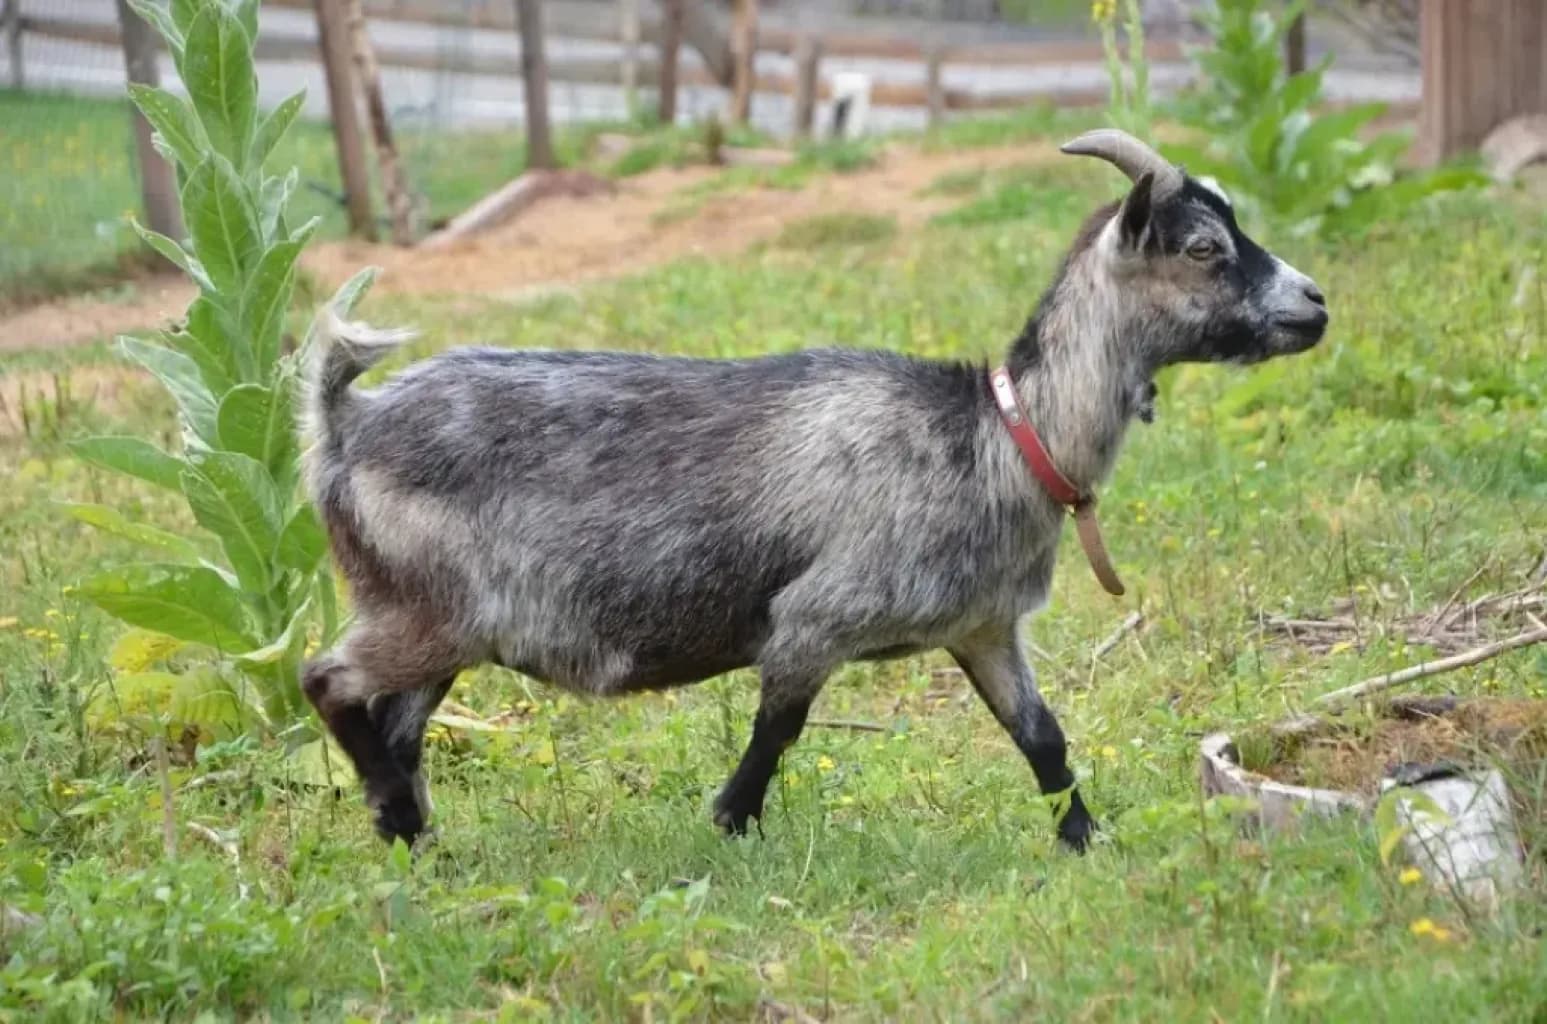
[446,99]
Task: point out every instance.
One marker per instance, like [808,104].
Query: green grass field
[907,874]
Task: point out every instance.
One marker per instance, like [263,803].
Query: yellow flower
[1109,752]
[1102,11]
[9,622]
[825,764]
[1424,926]
[1410,876]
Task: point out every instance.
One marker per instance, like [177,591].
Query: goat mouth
[1297,335]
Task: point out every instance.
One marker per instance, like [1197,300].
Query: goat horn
[1130,156]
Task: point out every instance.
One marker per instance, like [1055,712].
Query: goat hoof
[733,821]
[398,817]
[1076,834]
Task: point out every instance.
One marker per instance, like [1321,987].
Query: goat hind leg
[377,658]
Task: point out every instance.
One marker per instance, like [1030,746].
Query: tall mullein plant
[233,603]
[1128,103]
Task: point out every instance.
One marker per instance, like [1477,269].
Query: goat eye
[1202,249]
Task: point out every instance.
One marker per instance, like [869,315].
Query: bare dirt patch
[1354,757]
[650,219]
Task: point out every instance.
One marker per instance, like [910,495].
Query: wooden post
[400,201]
[808,57]
[934,86]
[158,183]
[344,111]
[628,17]
[671,46]
[1294,46]
[1483,63]
[10,16]
[744,53]
[534,83]
[702,31]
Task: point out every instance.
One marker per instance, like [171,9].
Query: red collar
[1081,505]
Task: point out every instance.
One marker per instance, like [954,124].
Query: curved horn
[1130,156]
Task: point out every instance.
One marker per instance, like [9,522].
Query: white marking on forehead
[1214,187]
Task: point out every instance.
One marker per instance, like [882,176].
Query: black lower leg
[1037,734]
[401,719]
[773,731]
[388,789]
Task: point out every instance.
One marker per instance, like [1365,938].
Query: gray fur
[612,522]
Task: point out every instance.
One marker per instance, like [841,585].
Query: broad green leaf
[160,18]
[220,344]
[246,12]
[110,520]
[320,763]
[218,73]
[203,339]
[181,377]
[183,13]
[139,649]
[232,497]
[221,221]
[175,254]
[303,542]
[133,457]
[274,127]
[190,602]
[171,116]
[288,644]
[258,422]
[272,197]
[199,699]
[267,299]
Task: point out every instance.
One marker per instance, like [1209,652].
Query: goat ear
[1133,219]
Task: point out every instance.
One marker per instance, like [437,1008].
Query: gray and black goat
[614,522]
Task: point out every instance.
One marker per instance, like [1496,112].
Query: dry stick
[1439,614]
[168,815]
[1432,668]
[400,202]
[846,723]
[1128,625]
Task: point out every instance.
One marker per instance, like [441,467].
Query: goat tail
[340,350]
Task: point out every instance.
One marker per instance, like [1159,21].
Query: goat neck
[1080,369]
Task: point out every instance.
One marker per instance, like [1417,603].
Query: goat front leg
[998,670]
[788,688]
[401,718]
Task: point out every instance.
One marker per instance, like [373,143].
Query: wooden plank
[10,18]
[158,183]
[808,59]
[934,86]
[1483,63]
[744,59]
[628,69]
[534,84]
[671,47]
[344,113]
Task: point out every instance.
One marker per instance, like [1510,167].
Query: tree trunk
[534,82]
[344,111]
[671,46]
[400,200]
[1482,64]
[744,54]
[158,183]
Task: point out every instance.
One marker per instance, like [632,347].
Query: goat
[614,522]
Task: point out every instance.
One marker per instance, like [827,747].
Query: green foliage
[233,388]
[1282,160]
[836,229]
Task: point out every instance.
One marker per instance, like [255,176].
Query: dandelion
[1410,876]
[1103,11]
[1424,926]
[825,764]
[1109,752]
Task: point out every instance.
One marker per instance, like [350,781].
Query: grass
[909,873]
[836,229]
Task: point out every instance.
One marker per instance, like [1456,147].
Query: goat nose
[1314,294]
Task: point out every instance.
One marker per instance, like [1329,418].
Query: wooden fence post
[744,54]
[344,112]
[934,86]
[534,81]
[400,201]
[808,57]
[628,16]
[671,46]
[158,183]
[10,16]
[1483,63]
[1294,46]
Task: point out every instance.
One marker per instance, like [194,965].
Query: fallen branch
[1128,625]
[1433,668]
[168,814]
[847,723]
[504,203]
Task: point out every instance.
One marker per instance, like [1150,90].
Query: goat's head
[1205,291]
